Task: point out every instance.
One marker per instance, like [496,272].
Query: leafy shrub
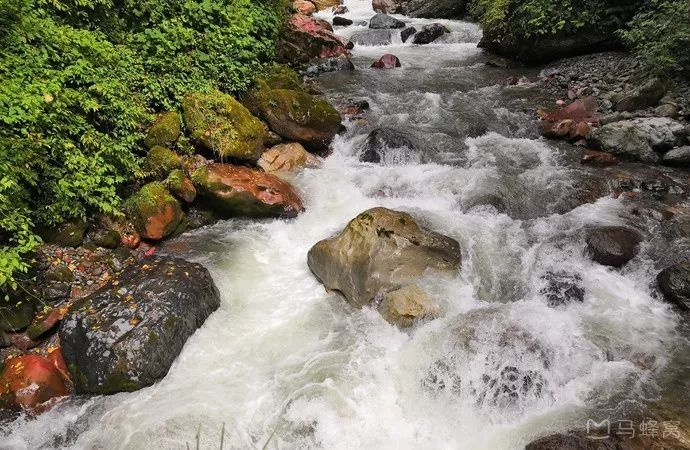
[513,20]
[660,35]
[80,79]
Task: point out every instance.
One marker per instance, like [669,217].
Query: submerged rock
[384,21]
[598,159]
[387,61]
[387,144]
[325,65]
[674,284]
[222,125]
[562,288]
[405,305]
[429,33]
[237,191]
[127,334]
[164,131]
[612,245]
[372,37]
[154,212]
[380,251]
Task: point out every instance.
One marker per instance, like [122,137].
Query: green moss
[17,316]
[150,201]
[302,108]
[164,131]
[221,124]
[160,161]
[68,234]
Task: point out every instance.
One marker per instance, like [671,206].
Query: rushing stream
[285,364]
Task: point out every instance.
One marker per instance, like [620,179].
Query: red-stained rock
[387,61]
[240,191]
[584,110]
[154,212]
[305,38]
[304,7]
[34,383]
[598,159]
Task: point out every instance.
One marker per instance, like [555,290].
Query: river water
[285,364]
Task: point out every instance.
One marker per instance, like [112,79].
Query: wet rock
[387,61]
[638,139]
[55,290]
[304,7]
[403,306]
[164,131]
[598,159]
[355,107]
[387,6]
[382,21]
[674,284]
[648,95]
[233,191]
[33,382]
[222,125]
[341,21]
[301,117]
[284,158]
[68,234]
[436,9]
[127,334]
[303,38]
[407,33]
[562,288]
[326,65]
[154,212]
[44,322]
[677,157]
[340,9]
[429,33]
[379,251]
[198,216]
[372,37]
[181,186]
[160,161]
[564,129]
[612,245]
[15,315]
[387,144]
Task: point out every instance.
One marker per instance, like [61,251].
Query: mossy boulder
[102,237]
[277,77]
[233,191]
[154,212]
[301,117]
[68,234]
[16,315]
[160,161]
[221,124]
[127,334]
[381,251]
[181,186]
[164,131]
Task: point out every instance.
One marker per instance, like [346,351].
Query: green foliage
[80,80]
[660,35]
[511,20]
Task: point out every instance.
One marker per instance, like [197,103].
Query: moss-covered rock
[160,161]
[102,237]
[154,212]
[221,124]
[68,234]
[181,186]
[164,131]
[233,191]
[298,116]
[277,77]
[16,315]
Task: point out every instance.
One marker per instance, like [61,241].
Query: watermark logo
[628,429]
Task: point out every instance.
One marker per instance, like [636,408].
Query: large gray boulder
[381,252]
[372,37]
[638,139]
[384,21]
[674,283]
[677,157]
[127,334]
[647,95]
